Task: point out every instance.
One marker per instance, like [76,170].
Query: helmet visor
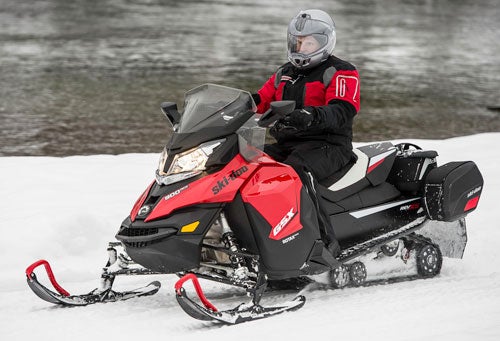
[306,44]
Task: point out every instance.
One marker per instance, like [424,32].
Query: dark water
[87,76]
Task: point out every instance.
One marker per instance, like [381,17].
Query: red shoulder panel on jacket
[344,86]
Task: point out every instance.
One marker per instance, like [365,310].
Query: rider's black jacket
[329,90]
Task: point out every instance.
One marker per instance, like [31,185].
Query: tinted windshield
[213,106]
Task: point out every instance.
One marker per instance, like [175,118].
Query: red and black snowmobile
[223,210]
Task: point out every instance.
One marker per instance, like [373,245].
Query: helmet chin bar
[303,61]
[299,60]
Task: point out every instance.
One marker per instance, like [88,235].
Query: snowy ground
[65,210]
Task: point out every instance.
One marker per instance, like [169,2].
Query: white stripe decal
[379,157]
[371,210]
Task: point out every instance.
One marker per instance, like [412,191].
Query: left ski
[242,313]
[62,297]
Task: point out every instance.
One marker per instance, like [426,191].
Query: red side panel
[275,192]
[214,188]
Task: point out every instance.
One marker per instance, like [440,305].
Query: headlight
[187,164]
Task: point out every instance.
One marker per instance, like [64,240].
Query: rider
[316,138]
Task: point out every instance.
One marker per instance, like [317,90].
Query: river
[87,76]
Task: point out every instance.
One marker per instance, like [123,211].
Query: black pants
[321,160]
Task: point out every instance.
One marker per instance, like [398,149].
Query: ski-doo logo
[225,181]
[285,220]
[174,193]
[474,191]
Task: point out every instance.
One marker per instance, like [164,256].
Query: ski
[244,312]
[62,297]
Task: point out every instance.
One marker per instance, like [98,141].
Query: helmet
[311,38]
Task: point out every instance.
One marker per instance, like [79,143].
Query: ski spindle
[50,274]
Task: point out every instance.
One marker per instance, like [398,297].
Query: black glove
[300,118]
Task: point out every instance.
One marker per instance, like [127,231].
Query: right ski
[242,313]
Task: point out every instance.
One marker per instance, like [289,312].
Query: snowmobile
[221,209]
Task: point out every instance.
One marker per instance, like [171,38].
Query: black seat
[357,196]
[330,180]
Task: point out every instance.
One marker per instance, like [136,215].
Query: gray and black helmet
[320,26]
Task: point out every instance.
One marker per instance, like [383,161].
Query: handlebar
[278,109]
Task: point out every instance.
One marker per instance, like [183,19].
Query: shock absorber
[229,240]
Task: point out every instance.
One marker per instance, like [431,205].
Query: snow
[65,210]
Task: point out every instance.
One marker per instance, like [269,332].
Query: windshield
[213,106]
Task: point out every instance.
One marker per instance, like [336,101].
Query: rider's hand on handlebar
[300,118]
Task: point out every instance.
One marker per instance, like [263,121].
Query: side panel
[275,193]
[359,225]
[237,217]
[381,158]
[283,220]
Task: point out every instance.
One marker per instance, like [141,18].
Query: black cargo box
[452,190]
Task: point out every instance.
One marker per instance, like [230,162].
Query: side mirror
[169,109]
[278,110]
